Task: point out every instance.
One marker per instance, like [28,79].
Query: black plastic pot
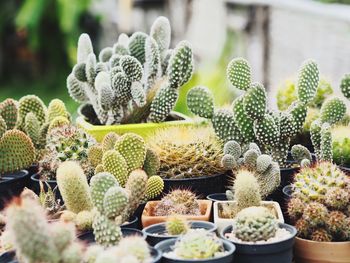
[217,197]
[166,246]
[276,252]
[138,214]
[156,233]
[345,169]
[132,223]
[202,186]
[36,186]
[89,237]
[12,184]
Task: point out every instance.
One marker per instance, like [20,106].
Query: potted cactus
[259,237]
[250,120]
[341,146]
[181,202]
[135,83]
[190,157]
[197,245]
[319,210]
[245,192]
[174,226]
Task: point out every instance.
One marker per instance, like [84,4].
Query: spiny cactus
[9,113]
[154,187]
[74,187]
[345,86]
[176,225]
[198,244]
[35,240]
[250,120]
[319,207]
[262,166]
[134,81]
[187,152]
[333,110]
[181,202]
[341,145]
[254,224]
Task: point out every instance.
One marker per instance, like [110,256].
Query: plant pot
[166,246]
[132,223]
[149,219]
[12,184]
[142,129]
[202,186]
[217,197]
[345,169]
[52,183]
[138,214]
[224,222]
[307,251]
[157,232]
[8,257]
[89,237]
[274,252]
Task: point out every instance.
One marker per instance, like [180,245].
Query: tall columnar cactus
[250,120]
[35,240]
[255,224]
[74,187]
[319,204]
[262,166]
[136,80]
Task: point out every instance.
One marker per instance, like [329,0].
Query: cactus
[56,108]
[95,154]
[152,162]
[341,145]
[239,73]
[181,202]
[154,187]
[333,110]
[308,81]
[345,86]
[133,81]
[74,187]
[262,166]
[187,152]
[320,203]
[300,153]
[176,225]
[201,102]
[254,224]
[326,143]
[9,113]
[198,244]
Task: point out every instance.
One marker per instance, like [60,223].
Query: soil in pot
[12,184]
[166,247]
[157,232]
[307,251]
[277,250]
[148,216]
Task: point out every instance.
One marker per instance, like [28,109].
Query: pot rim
[146,229]
[22,174]
[193,178]
[227,244]
[215,200]
[323,243]
[282,225]
[36,178]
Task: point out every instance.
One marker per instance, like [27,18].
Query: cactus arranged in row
[36,240]
[254,224]
[176,225]
[187,152]
[198,244]
[179,202]
[250,120]
[263,167]
[66,143]
[319,205]
[136,80]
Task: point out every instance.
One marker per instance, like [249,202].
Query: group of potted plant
[135,182]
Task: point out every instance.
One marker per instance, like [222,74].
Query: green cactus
[315,135]
[56,108]
[34,104]
[9,112]
[255,101]
[198,244]
[176,225]
[133,249]
[74,187]
[95,154]
[345,86]
[239,73]
[300,153]
[16,151]
[151,164]
[242,119]
[154,187]
[109,141]
[341,145]
[114,163]
[201,102]
[255,224]
[333,110]
[123,84]
[326,143]
[225,127]
[308,81]
[83,220]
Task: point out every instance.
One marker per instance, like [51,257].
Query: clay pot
[148,218]
[307,251]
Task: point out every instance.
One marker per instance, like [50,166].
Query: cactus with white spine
[134,81]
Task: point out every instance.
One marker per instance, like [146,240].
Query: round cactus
[114,163]
[333,110]
[83,220]
[233,148]
[56,108]
[9,112]
[303,228]
[300,152]
[337,224]
[308,81]
[337,198]
[295,208]
[255,101]
[229,162]
[134,247]
[321,235]
[316,214]
[34,104]
[176,225]
[74,187]
[239,73]
[263,162]
[200,101]
[254,224]
[154,187]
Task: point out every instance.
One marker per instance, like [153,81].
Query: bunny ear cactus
[239,73]
[308,81]
[135,80]
[9,113]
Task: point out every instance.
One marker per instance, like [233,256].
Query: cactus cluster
[198,244]
[341,145]
[187,152]
[176,225]
[250,120]
[319,206]
[36,240]
[254,224]
[178,202]
[134,81]
[265,170]
[66,143]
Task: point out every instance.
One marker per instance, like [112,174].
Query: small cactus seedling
[176,225]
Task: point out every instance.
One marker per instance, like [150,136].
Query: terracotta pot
[148,217]
[307,251]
